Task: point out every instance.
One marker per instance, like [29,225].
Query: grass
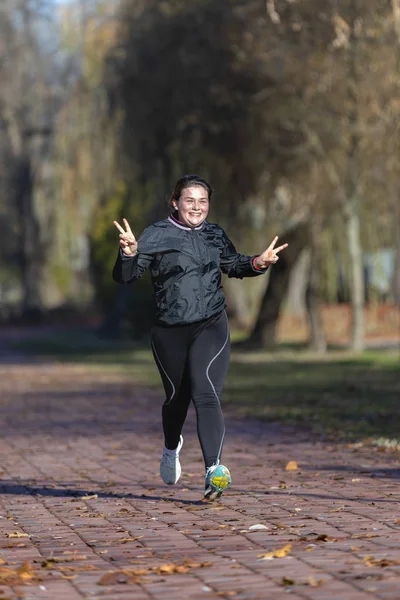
[341,394]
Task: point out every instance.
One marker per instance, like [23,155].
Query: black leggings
[193,361]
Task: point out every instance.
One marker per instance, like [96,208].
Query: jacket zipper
[197,246]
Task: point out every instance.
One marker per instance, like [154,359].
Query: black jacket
[185,265]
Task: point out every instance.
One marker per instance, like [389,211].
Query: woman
[190,337]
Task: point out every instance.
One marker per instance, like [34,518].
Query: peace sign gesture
[270,255]
[127,240]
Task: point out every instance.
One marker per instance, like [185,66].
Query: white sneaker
[170,467]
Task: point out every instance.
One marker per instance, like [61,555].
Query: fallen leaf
[311,581]
[370,561]
[48,563]
[288,581]
[257,527]
[168,569]
[196,565]
[291,466]
[74,569]
[19,576]
[16,534]
[7,576]
[115,577]
[25,571]
[280,553]
[91,497]
[130,539]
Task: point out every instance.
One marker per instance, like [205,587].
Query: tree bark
[396,265]
[351,207]
[317,340]
[31,255]
[264,331]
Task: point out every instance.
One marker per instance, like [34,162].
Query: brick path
[83,513]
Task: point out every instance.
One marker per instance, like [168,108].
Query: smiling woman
[190,336]
[191,200]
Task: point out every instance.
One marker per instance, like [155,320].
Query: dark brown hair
[189,181]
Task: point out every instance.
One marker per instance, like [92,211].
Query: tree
[27,105]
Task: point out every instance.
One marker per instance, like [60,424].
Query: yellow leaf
[168,569]
[7,575]
[311,581]
[371,561]
[280,553]
[113,578]
[188,562]
[283,551]
[291,466]
[92,497]
[25,571]
[17,534]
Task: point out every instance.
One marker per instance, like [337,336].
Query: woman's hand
[127,240]
[270,255]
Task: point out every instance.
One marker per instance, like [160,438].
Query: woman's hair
[189,181]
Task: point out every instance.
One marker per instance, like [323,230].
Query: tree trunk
[357,287]
[264,331]
[396,265]
[317,340]
[351,207]
[31,255]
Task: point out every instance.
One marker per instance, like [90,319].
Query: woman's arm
[130,268]
[239,265]
[131,263]
[235,264]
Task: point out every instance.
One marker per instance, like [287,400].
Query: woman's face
[193,205]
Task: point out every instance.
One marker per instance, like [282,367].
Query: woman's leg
[170,349]
[208,366]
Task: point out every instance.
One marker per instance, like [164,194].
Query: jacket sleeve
[237,265]
[130,268]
